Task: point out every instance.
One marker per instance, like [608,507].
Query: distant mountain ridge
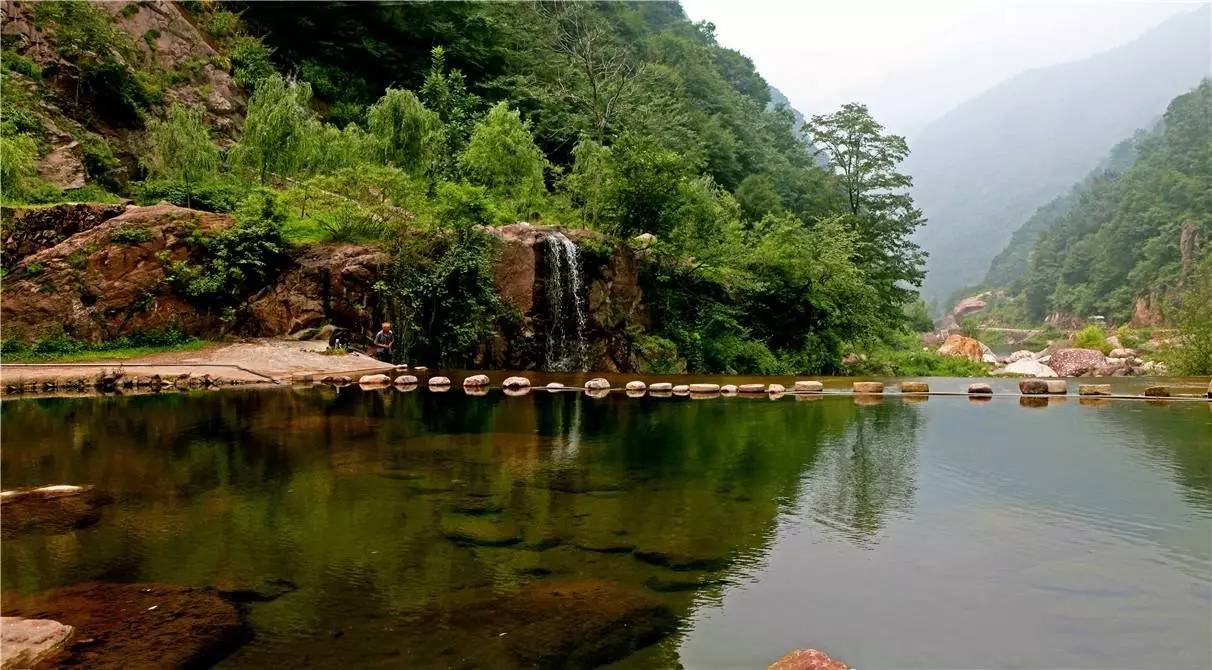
[982,169]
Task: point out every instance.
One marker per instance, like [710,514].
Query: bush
[1091,337]
[250,61]
[219,195]
[223,24]
[350,223]
[132,235]
[21,64]
[1193,317]
[904,356]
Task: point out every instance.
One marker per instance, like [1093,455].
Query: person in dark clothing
[384,340]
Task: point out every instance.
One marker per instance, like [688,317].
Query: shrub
[250,61]
[222,23]
[132,235]
[1092,337]
[349,223]
[218,195]
[21,64]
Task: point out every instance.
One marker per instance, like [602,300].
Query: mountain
[981,169]
[1129,236]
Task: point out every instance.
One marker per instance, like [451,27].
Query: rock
[516,392]
[548,623]
[1114,343]
[337,380]
[915,387]
[851,360]
[1153,368]
[136,625]
[809,386]
[1094,389]
[751,388]
[1157,392]
[597,393]
[50,510]
[266,591]
[554,386]
[660,387]
[516,383]
[776,388]
[439,381]
[807,659]
[24,643]
[728,389]
[1075,362]
[1057,386]
[958,346]
[1028,368]
[374,380]
[1033,387]
[28,231]
[636,386]
[406,380]
[678,561]
[990,359]
[1020,355]
[476,381]
[704,388]
[980,388]
[63,166]
[868,387]
[481,532]
[597,384]
[1120,352]
[681,388]
[968,306]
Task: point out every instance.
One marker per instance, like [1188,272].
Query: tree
[591,181]
[880,207]
[1193,316]
[445,92]
[502,157]
[180,149]
[405,130]
[758,197]
[276,127]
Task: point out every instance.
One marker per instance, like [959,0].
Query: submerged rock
[682,561]
[50,509]
[481,532]
[547,623]
[137,625]
[265,591]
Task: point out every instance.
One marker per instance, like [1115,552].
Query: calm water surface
[936,533]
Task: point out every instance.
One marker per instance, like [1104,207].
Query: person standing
[384,340]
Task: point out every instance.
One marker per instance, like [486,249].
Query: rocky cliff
[96,272]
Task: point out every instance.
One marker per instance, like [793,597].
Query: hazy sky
[912,60]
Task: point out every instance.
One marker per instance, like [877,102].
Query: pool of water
[421,529]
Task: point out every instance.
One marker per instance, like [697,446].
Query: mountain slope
[983,168]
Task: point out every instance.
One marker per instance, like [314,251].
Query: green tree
[503,157]
[1193,317]
[405,130]
[179,149]
[17,167]
[276,128]
[881,209]
[592,182]
[445,92]
[758,197]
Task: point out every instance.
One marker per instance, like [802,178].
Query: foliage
[276,128]
[592,182]
[1121,234]
[223,24]
[1193,317]
[17,170]
[917,317]
[1092,337]
[132,235]
[250,61]
[222,194]
[903,356]
[503,158]
[63,348]
[237,260]
[405,130]
[180,149]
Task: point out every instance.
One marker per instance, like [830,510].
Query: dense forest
[412,126]
[1130,236]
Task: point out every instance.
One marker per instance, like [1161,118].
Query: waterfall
[565,305]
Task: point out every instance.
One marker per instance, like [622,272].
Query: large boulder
[959,346]
[1028,368]
[807,659]
[24,643]
[1076,362]
[967,306]
[1021,355]
[326,283]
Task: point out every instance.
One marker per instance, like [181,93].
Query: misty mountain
[983,168]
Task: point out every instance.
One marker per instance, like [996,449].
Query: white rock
[776,388]
[1122,352]
[636,385]
[989,358]
[809,386]
[660,386]
[476,381]
[516,383]
[681,388]
[439,381]
[372,380]
[554,386]
[704,388]
[406,380]
[1028,368]
[1020,355]
[597,384]
[24,643]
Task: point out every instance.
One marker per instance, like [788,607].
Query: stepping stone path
[598,384]
[374,380]
[516,383]
[809,386]
[751,388]
[406,380]
[915,387]
[868,387]
[1033,387]
[704,388]
[980,388]
[1094,389]
[660,387]
[636,386]
[476,381]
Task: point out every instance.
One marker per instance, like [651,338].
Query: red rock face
[28,231]
[807,659]
[1076,362]
[94,290]
[325,284]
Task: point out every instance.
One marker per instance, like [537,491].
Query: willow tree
[406,130]
[881,209]
[179,149]
[276,128]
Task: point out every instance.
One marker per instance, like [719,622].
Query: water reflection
[392,509]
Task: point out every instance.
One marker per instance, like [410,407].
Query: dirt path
[244,362]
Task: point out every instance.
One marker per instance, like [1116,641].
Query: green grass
[303,231]
[100,354]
